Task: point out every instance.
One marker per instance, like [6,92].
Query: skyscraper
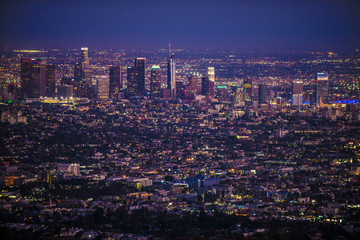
[247,89]
[37,78]
[85,66]
[140,66]
[171,76]
[205,82]
[131,81]
[297,93]
[83,86]
[262,93]
[155,81]
[115,84]
[211,76]
[322,88]
[102,86]
[25,76]
[193,84]
[136,78]
[50,74]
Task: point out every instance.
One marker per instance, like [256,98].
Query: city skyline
[244,25]
[179,119]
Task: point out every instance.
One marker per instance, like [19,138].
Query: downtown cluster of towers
[318,97]
[38,80]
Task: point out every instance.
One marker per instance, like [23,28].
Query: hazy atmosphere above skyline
[228,24]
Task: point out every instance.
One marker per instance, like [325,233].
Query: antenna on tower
[169,49]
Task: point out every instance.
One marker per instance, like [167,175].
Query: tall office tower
[25,76]
[193,85]
[140,66]
[262,93]
[50,74]
[205,82]
[297,93]
[247,89]
[155,82]
[102,86]
[115,84]
[132,85]
[211,76]
[322,88]
[77,72]
[83,86]
[171,76]
[85,66]
[37,78]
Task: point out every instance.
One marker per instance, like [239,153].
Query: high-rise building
[322,88]
[83,86]
[297,87]
[140,66]
[85,66]
[211,76]
[37,78]
[136,78]
[297,93]
[50,81]
[262,93]
[171,76]
[77,72]
[155,81]
[115,83]
[247,89]
[193,84]
[205,82]
[132,87]
[102,86]
[25,76]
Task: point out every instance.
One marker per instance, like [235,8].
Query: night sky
[228,24]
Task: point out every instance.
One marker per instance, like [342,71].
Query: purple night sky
[227,24]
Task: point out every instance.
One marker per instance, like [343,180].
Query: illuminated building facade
[85,70]
[171,76]
[322,88]
[132,87]
[102,87]
[297,93]
[155,81]
[211,76]
[247,89]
